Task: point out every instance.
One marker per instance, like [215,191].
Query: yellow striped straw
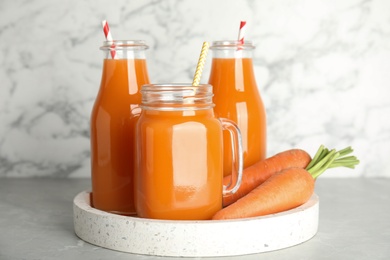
[201,61]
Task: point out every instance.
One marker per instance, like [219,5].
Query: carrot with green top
[288,188]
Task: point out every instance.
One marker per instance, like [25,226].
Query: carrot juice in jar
[113,119]
[237,97]
[180,154]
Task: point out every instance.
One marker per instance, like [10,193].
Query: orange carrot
[286,189]
[259,172]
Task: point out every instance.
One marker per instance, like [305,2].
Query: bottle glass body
[236,97]
[114,115]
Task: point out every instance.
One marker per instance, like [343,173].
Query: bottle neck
[176,97]
[232,68]
[124,49]
[124,68]
[232,49]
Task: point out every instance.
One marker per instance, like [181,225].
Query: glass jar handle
[237,156]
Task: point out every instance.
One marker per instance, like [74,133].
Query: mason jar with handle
[180,153]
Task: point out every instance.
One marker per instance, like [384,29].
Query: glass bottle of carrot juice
[237,97]
[180,154]
[113,119]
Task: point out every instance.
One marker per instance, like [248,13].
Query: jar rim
[176,96]
[231,44]
[122,44]
[175,86]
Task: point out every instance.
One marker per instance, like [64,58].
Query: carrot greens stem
[316,156]
[346,151]
[325,159]
[320,163]
[328,162]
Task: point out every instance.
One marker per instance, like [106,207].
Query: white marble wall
[322,66]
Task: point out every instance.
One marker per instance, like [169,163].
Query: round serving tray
[204,238]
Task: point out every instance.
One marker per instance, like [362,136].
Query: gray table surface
[36,222]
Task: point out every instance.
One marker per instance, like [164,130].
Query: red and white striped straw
[241,32]
[107,34]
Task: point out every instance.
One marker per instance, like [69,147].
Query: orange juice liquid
[112,134]
[236,97]
[180,165]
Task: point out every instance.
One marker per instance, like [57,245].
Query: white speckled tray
[194,238]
